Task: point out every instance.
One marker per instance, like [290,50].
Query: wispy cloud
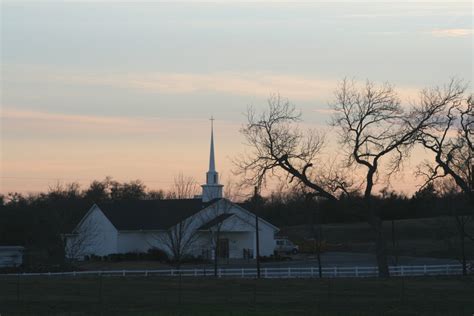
[324,111]
[256,84]
[17,120]
[259,84]
[451,32]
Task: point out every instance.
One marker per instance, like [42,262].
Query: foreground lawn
[191,296]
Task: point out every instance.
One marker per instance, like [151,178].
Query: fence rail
[269,272]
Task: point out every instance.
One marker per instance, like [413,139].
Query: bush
[157,255]
[274,257]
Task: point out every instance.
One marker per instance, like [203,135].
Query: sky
[92,89]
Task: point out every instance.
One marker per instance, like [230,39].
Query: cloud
[451,32]
[17,121]
[255,84]
[324,111]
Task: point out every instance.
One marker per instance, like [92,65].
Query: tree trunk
[320,268]
[463,253]
[215,260]
[376,222]
[380,245]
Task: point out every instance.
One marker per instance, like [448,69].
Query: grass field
[190,296]
[424,237]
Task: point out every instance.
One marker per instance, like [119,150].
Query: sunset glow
[95,89]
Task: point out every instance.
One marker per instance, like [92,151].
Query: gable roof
[136,215]
[150,214]
[216,220]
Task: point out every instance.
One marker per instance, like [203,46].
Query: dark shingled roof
[150,214]
[216,220]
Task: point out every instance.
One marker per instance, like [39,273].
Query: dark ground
[435,237]
[191,296]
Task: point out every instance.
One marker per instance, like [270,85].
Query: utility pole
[257,239]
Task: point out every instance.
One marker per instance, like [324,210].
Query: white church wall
[95,235]
[133,242]
[142,241]
[238,241]
[266,240]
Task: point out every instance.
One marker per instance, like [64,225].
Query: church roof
[216,220]
[150,214]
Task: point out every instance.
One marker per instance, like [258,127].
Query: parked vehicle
[284,245]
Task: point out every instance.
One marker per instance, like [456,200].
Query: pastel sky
[125,89]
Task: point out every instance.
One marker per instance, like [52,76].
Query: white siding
[95,235]
[103,239]
[139,241]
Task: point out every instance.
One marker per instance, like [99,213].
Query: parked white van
[284,245]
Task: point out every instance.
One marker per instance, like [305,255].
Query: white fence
[289,272]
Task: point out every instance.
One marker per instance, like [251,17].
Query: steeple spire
[212,189]
[212,163]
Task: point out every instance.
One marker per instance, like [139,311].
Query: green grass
[190,296]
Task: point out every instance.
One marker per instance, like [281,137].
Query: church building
[203,226]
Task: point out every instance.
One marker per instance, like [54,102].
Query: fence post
[243,272]
[220,272]
[195,272]
[266,273]
[123,272]
[146,272]
[335,272]
[424,269]
[447,269]
[289,272]
[312,272]
[402,270]
[357,271]
[18,287]
[74,273]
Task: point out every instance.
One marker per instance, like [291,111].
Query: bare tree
[233,190]
[450,135]
[213,219]
[184,187]
[279,146]
[450,138]
[80,240]
[373,125]
[178,240]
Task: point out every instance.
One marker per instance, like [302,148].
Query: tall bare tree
[450,135]
[280,148]
[377,133]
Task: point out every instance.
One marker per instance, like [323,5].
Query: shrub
[157,254]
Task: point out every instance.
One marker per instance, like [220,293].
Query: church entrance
[223,248]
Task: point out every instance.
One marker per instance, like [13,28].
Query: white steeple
[212,162]
[212,189]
